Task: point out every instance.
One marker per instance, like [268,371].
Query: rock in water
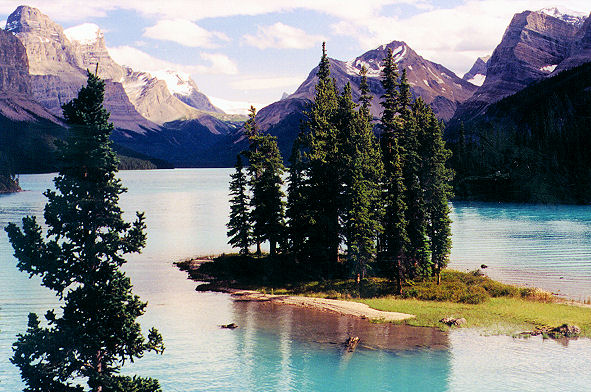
[229,326]
[455,322]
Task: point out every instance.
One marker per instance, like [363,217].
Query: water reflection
[289,348]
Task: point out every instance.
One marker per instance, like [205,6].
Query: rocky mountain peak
[372,60]
[566,15]
[477,74]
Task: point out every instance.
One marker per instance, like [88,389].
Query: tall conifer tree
[80,260]
[266,170]
[239,230]
[324,170]
[436,179]
[297,211]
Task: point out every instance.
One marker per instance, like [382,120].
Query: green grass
[491,306]
[501,315]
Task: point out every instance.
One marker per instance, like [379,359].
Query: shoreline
[504,314]
[346,308]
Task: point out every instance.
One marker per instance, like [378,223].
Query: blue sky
[251,51]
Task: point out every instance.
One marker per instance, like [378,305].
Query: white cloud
[219,64]
[142,61]
[268,83]
[282,36]
[186,33]
[234,107]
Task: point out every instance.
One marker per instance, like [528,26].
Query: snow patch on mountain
[573,17]
[549,68]
[477,80]
[177,82]
[84,34]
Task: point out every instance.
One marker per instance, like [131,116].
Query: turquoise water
[292,349]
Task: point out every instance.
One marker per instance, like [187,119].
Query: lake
[290,349]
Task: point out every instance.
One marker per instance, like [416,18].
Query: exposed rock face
[477,73]
[58,66]
[14,66]
[536,44]
[152,98]
[437,85]
[580,52]
[58,62]
[183,87]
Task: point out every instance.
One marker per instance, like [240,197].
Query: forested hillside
[533,146]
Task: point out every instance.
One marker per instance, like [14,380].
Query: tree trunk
[438,276]
[99,368]
[272,248]
[259,248]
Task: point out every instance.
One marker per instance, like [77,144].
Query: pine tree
[419,262]
[254,139]
[266,170]
[268,207]
[239,230]
[297,210]
[394,240]
[436,178]
[362,170]
[324,171]
[80,260]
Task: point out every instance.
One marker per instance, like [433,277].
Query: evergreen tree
[362,170]
[419,262]
[268,207]
[254,139]
[80,260]
[435,179]
[239,229]
[324,171]
[404,98]
[266,170]
[393,242]
[297,210]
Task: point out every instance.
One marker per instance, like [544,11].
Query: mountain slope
[532,146]
[535,45]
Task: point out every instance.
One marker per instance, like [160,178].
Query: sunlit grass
[496,315]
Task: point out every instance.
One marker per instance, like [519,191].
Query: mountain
[437,85]
[477,73]
[58,61]
[535,45]
[532,146]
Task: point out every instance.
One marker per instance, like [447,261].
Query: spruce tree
[80,259]
[394,240]
[324,171]
[239,230]
[435,179]
[419,262]
[267,205]
[297,210]
[362,170]
[254,139]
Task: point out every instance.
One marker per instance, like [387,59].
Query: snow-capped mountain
[566,15]
[59,58]
[477,73]
[536,45]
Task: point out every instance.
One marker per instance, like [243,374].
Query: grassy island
[488,305]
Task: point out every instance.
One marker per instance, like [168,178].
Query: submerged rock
[229,326]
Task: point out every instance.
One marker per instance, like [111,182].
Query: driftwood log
[351,343]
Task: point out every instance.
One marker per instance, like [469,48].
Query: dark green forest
[533,146]
[357,204]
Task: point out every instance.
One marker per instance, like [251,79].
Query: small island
[486,305]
